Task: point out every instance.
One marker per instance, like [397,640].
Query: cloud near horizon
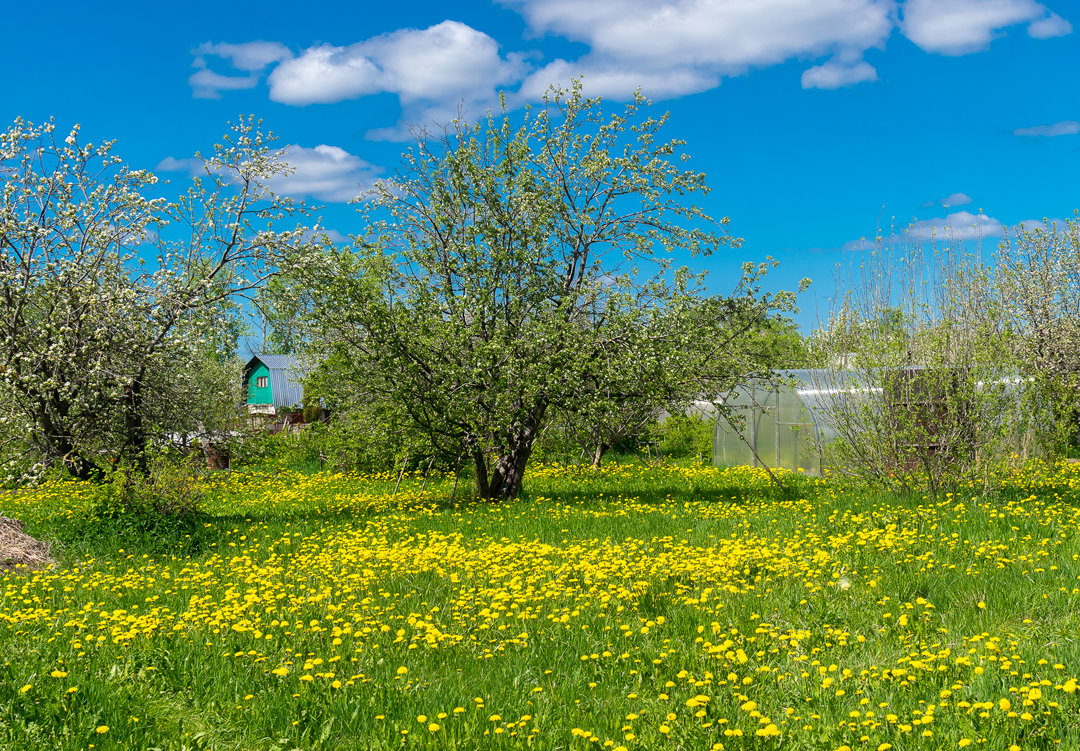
[961,227]
[326,173]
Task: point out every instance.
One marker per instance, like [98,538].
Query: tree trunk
[509,469]
[134,426]
[598,454]
[481,473]
[58,446]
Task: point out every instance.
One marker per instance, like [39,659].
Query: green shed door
[259,386]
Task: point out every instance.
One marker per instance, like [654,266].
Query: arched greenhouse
[787,419]
[779,421]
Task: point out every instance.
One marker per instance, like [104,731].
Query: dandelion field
[635,607]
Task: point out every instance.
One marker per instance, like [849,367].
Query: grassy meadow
[629,608]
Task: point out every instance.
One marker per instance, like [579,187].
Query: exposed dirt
[18,550]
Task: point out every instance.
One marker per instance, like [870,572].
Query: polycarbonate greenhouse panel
[785,419]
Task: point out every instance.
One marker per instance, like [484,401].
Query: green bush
[683,436]
[367,441]
[162,504]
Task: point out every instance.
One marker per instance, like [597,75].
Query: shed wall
[258,395]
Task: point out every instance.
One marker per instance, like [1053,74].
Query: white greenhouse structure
[779,421]
[784,420]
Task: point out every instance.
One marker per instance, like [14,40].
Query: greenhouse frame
[778,421]
[782,420]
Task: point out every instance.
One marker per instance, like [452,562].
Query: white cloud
[206,84]
[598,79]
[326,173]
[430,70]
[834,75]
[675,47]
[730,34]
[323,74]
[1040,225]
[1051,26]
[1063,128]
[958,27]
[172,164]
[666,48]
[963,226]
[249,56]
[955,199]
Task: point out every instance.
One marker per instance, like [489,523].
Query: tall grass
[635,607]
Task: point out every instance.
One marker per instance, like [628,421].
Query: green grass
[678,607]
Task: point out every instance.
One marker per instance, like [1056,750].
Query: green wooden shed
[273,384]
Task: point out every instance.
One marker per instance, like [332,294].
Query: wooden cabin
[274,385]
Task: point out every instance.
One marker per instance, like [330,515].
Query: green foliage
[683,436]
[777,344]
[520,270]
[161,503]
[355,441]
[170,488]
[930,391]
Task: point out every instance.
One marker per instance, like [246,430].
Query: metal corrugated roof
[277,362]
[285,378]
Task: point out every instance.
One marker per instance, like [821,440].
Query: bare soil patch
[18,550]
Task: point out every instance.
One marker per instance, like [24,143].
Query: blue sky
[818,122]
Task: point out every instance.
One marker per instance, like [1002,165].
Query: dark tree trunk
[134,426]
[59,445]
[481,474]
[509,469]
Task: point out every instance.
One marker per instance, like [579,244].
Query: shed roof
[286,386]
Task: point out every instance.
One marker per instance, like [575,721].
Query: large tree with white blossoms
[109,291]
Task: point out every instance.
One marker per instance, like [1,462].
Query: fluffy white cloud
[955,199]
[206,84]
[323,74]
[1063,128]
[326,173]
[835,75]
[251,57]
[729,34]
[430,70]
[172,164]
[609,80]
[961,226]
[1051,26]
[676,47]
[666,48]
[957,27]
